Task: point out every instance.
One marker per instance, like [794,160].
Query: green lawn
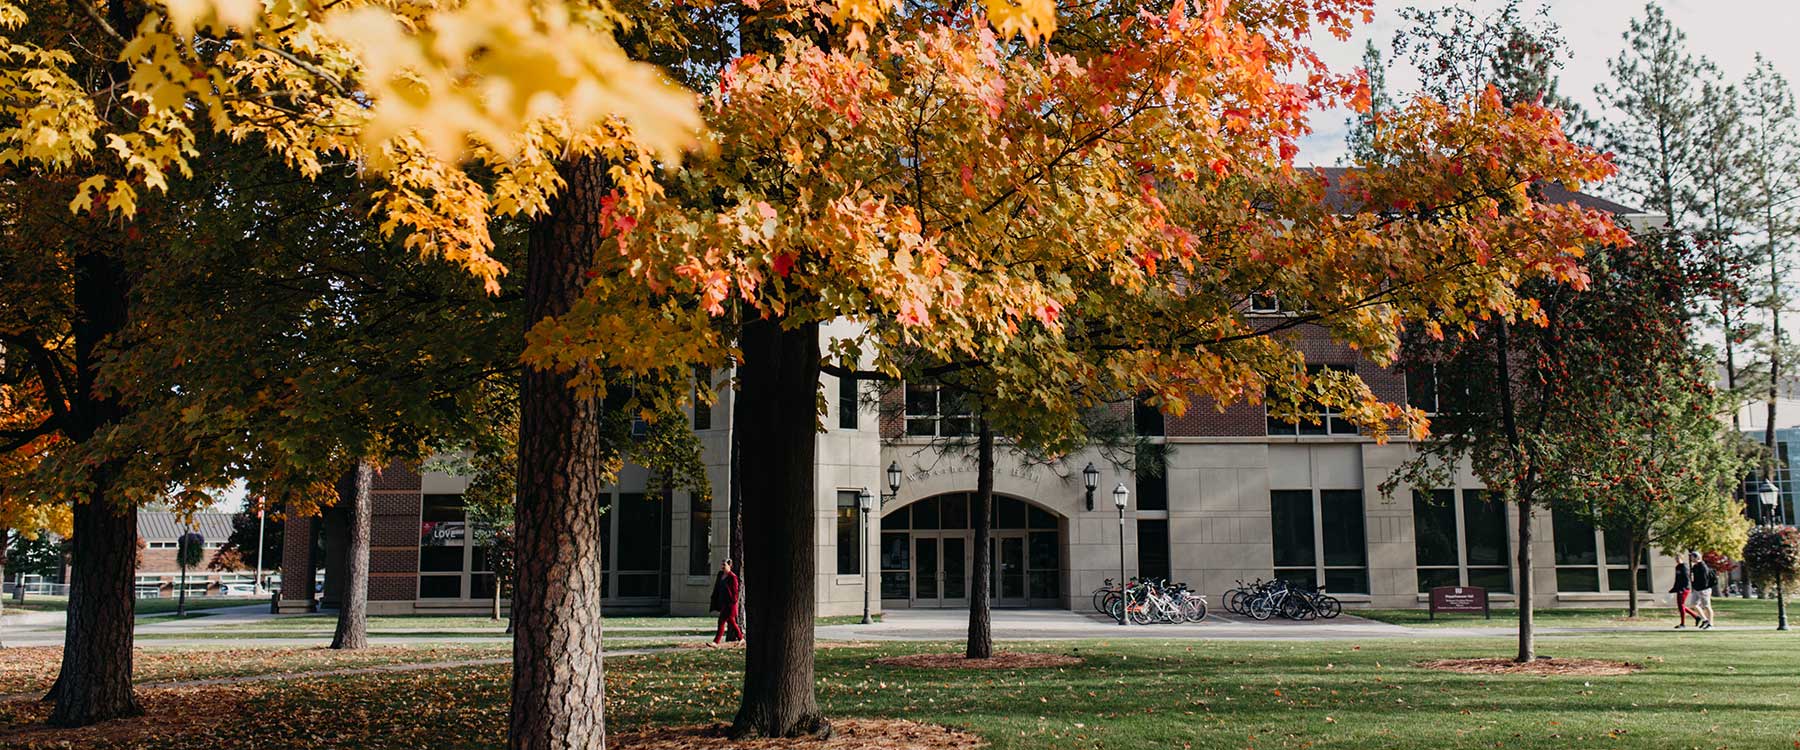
[144,606]
[1699,690]
[1729,612]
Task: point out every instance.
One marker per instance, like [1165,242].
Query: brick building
[1244,496]
[159,575]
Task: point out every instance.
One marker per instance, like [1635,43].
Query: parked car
[237,589]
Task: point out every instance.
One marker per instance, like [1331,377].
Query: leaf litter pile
[1000,660]
[846,734]
[1542,666]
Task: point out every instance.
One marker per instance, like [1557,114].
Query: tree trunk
[1524,494]
[779,388]
[981,625]
[558,684]
[1631,597]
[181,592]
[735,496]
[353,608]
[497,585]
[1775,302]
[95,683]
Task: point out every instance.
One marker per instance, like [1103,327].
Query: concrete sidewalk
[1045,624]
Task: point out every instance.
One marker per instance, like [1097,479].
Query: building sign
[1459,599]
[441,533]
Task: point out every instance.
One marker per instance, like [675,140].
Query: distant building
[158,574]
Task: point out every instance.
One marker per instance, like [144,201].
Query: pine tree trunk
[981,624]
[353,608]
[779,388]
[95,682]
[558,685]
[1775,302]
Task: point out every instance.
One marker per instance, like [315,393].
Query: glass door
[1008,566]
[940,571]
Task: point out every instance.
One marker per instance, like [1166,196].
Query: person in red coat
[725,600]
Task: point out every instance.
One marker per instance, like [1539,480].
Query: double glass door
[1006,565]
[940,570]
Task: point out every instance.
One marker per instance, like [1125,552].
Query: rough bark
[558,684]
[353,611]
[95,683]
[95,680]
[735,495]
[981,626]
[778,389]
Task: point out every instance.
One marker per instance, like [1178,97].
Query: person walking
[1683,586]
[725,600]
[1704,580]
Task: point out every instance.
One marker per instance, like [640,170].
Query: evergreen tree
[1771,171]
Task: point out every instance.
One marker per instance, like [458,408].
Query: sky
[1728,32]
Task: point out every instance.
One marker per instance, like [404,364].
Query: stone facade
[1224,470]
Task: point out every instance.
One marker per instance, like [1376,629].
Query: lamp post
[867,502]
[1090,478]
[1120,495]
[1770,495]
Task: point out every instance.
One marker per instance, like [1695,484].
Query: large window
[932,411]
[1035,574]
[1461,544]
[1152,488]
[1421,387]
[1325,420]
[847,403]
[1146,420]
[849,534]
[1580,566]
[1319,539]
[638,562]
[1153,547]
[451,565]
[699,534]
[702,407]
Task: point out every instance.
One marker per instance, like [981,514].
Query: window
[1579,564]
[1153,547]
[699,534]
[160,545]
[1461,544]
[847,403]
[849,552]
[1152,488]
[1265,302]
[1319,539]
[639,545]
[932,411]
[1146,420]
[1421,388]
[1325,420]
[451,566]
[702,407]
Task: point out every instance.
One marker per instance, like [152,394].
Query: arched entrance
[927,554]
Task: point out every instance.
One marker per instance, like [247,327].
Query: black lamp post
[1090,478]
[867,501]
[1120,496]
[1770,495]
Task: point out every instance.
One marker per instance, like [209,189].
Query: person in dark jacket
[725,601]
[1682,588]
[1704,580]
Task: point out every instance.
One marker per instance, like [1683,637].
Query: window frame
[849,397]
[1602,568]
[1459,505]
[849,518]
[1320,569]
[936,418]
[1329,418]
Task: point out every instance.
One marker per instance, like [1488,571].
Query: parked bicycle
[1158,601]
[1261,600]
